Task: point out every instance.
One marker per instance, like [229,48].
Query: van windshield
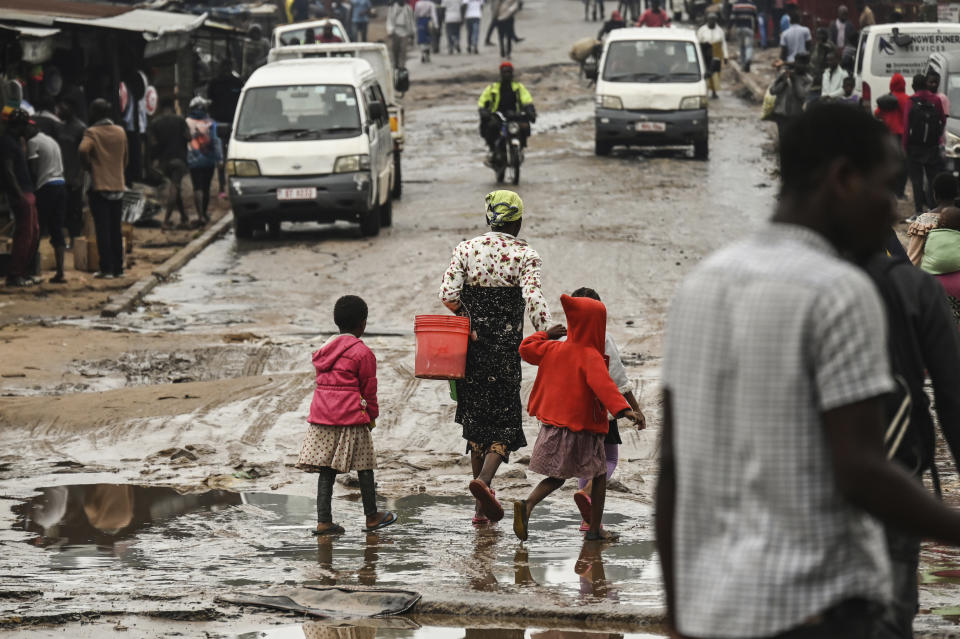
[652,61]
[303,112]
[308,35]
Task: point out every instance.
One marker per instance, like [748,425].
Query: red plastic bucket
[441,346]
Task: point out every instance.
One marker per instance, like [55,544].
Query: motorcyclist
[507,96]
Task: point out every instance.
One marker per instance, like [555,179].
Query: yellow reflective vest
[490,98]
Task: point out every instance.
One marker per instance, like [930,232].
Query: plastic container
[441,346]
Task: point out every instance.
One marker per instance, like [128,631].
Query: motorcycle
[508,150]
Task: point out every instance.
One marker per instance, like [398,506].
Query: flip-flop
[584,526]
[391,518]
[488,503]
[482,519]
[603,535]
[583,502]
[520,520]
[336,529]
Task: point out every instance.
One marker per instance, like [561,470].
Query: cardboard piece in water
[331,601]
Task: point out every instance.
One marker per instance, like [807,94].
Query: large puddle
[319,630]
[150,539]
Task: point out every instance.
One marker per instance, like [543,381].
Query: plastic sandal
[488,503]
[520,520]
[335,530]
[583,502]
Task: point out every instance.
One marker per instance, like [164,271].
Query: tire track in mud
[284,398]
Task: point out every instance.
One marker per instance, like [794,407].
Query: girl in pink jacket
[342,414]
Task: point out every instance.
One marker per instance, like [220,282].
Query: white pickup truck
[377,56]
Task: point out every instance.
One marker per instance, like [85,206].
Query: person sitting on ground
[654,16]
[611,444]
[343,415]
[831,81]
[571,377]
[941,256]
[945,192]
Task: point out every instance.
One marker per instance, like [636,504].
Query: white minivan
[311,142]
[901,47]
[651,90]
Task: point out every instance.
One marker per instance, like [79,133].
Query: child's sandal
[336,529]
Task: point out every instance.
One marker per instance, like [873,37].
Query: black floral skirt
[488,398]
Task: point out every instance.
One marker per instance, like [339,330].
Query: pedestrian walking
[425,13]
[572,377]
[453,19]
[46,166]
[104,148]
[923,341]
[924,122]
[400,30]
[505,18]
[360,12]
[774,483]
[203,154]
[713,42]
[494,279]
[472,14]
[71,134]
[18,188]
[630,9]
[169,136]
[791,89]
[343,414]
[796,38]
[612,441]
[255,50]
[843,34]
[654,16]
[743,17]
[494,10]
[945,193]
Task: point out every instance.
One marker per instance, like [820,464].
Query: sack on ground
[582,49]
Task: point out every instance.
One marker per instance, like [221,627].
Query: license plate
[651,127]
[305,193]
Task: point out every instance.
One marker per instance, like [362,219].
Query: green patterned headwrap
[503,207]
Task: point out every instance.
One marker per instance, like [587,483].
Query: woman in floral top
[493,279]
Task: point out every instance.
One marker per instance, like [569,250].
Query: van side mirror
[590,70]
[377,111]
[401,80]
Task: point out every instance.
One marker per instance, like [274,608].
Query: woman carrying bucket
[493,279]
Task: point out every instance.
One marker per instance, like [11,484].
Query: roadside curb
[125,301]
[749,81]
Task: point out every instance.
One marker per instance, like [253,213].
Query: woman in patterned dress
[492,279]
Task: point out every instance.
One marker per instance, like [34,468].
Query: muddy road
[146,465]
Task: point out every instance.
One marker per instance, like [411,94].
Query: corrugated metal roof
[150,23]
[53,9]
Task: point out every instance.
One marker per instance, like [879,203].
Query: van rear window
[652,61]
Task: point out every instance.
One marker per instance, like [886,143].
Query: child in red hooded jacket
[342,414]
[571,397]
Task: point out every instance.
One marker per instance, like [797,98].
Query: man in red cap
[507,96]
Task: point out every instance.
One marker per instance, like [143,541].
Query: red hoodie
[346,393]
[894,119]
[573,388]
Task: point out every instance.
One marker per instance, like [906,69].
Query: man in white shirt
[473,12]
[46,166]
[796,39]
[831,85]
[453,18]
[774,480]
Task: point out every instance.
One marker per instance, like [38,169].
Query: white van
[902,47]
[293,34]
[378,58]
[311,142]
[651,90]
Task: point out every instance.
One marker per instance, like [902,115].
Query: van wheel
[602,148]
[701,149]
[370,222]
[386,213]
[397,183]
[243,229]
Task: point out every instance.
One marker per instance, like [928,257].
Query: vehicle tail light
[394,125]
[865,92]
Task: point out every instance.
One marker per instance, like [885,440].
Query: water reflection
[105,515]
